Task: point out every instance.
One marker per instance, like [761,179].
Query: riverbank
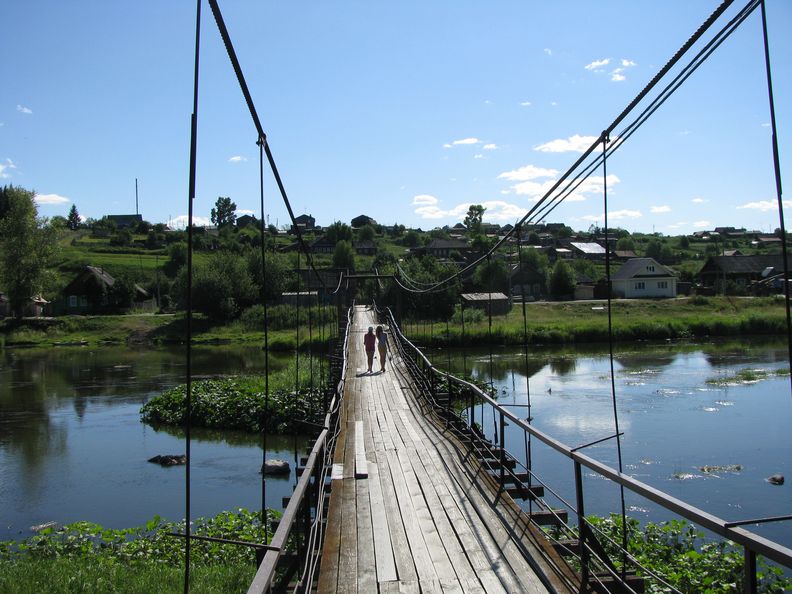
[547,323]
[587,322]
[148,330]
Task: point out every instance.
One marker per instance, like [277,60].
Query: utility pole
[136,198]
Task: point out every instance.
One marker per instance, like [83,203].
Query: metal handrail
[751,542]
[266,573]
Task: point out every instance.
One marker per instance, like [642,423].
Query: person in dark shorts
[370,341]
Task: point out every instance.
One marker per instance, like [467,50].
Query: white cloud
[487,102]
[576,143]
[446,145]
[244,211]
[678,225]
[597,64]
[424,200]
[50,199]
[702,225]
[765,125]
[478,156]
[627,63]
[180,222]
[466,141]
[554,103]
[548,51]
[525,103]
[765,205]
[9,164]
[23,109]
[699,200]
[659,209]
[616,215]
[528,172]
[237,159]
[616,77]
[491,146]
[496,210]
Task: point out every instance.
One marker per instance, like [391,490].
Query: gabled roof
[638,268]
[590,248]
[745,264]
[447,244]
[484,296]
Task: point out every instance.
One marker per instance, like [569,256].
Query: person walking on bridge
[382,345]
[369,341]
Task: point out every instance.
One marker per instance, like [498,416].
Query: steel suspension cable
[264,513]
[526,434]
[190,201]
[609,287]
[779,193]
[262,137]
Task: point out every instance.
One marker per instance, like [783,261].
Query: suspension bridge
[402,491]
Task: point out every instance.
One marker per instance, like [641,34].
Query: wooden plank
[424,565]
[405,564]
[328,571]
[337,472]
[388,587]
[361,464]
[409,587]
[442,564]
[386,565]
[366,566]
[451,586]
[431,587]
[347,565]
[349,450]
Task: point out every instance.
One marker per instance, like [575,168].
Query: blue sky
[407,111]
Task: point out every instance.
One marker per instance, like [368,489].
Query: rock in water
[40,527]
[776,479]
[169,460]
[274,466]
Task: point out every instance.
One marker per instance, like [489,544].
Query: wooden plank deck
[409,511]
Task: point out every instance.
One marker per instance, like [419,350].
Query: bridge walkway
[410,511]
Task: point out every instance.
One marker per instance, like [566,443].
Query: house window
[662,284]
[72,300]
[650,268]
[639,286]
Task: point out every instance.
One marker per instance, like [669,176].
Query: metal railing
[444,393]
[292,557]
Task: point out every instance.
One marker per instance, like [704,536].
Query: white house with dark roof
[642,278]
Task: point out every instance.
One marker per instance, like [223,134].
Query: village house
[362,221]
[305,222]
[641,278]
[322,245]
[245,220]
[91,292]
[740,270]
[528,282]
[127,221]
[496,303]
[365,248]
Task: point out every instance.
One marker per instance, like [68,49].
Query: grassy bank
[585,322]
[148,329]
[86,557]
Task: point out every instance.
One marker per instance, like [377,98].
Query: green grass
[62,576]
[87,557]
[149,329]
[575,322]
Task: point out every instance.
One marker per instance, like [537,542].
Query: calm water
[72,446]
[674,422]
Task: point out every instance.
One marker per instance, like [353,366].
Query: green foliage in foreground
[239,403]
[86,557]
[679,553]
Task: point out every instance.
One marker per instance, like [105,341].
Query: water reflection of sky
[674,422]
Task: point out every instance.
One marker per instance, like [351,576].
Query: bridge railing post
[502,434]
[749,569]
[581,513]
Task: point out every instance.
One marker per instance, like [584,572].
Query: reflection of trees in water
[641,361]
[238,438]
[563,365]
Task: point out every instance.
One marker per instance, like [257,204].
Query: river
[675,422]
[72,446]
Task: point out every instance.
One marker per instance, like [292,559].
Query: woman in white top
[382,346]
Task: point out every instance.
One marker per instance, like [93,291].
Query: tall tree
[344,255]
[473,219]
[25,247]
[224,212]
[562,280]
[338,231]
[73,220]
